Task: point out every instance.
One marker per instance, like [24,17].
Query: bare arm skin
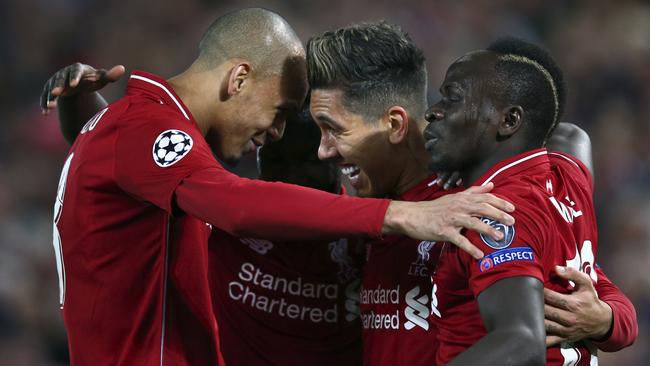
[512,311]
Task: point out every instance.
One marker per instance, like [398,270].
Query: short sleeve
[152,156]
[517,254]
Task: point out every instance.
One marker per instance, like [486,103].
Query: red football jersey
[118,271]
[396,294]
[555,225]
[133,279]
[281,303]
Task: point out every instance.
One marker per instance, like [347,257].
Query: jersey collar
[422,191]
[513,166]
[142,82]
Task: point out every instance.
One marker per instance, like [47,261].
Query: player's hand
[448,180]
[444,218]
[76,78]
[576,316]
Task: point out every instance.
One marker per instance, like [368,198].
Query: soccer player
[262,253]
[367,101]
[498,108]
[140,188]
[272,296]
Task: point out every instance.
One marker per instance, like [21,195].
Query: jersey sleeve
[154,154]
[276,211]
[517,254]
[624,325]
[574,165]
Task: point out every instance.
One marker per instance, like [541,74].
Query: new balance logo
[417,309]
[258,245]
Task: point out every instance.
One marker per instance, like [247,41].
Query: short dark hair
[527,75]
[258,35]
[375,64]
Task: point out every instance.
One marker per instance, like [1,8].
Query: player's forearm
[511,346]
[76,110]
[624,327]
[277,211]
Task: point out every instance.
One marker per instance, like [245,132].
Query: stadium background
[603,46]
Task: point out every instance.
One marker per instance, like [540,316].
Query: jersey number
[584,261]
[58,250]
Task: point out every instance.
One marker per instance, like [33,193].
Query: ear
[239,75]
[511,120]
[398,124]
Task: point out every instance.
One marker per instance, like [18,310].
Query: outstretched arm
[73,91]
[512,311]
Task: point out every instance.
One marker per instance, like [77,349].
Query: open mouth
[350,170]
[352,173]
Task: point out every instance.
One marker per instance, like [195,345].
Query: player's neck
[415,161]
[501,152]
[192,87]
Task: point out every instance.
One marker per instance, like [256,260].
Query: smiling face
[360,147]
[463,125]
[257,113]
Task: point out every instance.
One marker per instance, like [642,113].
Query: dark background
[603,47]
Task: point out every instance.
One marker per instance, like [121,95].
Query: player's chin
[439,164]
[231,158]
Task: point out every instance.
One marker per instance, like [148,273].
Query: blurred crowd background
[603,46]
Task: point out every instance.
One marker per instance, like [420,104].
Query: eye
[454,97]
[335,132]
[451,94]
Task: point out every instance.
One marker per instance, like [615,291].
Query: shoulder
[571,166]
[144,111]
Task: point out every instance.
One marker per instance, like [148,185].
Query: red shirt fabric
[555,225]
[133,278]
[286,303]
[625,328]
[114,228]
[396,294]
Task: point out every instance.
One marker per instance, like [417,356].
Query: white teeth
[350,170]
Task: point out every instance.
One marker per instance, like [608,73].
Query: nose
[276,132]
[434,114]
[327,149]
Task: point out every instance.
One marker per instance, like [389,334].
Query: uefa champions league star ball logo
[170,147]
[508,234]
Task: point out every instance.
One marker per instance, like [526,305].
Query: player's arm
[73,90]
[511,310]
[571,139]
[245,207]
[602,313]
